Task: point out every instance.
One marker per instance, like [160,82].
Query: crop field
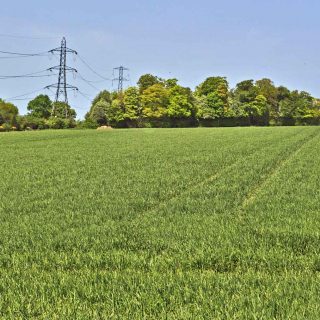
[199,223]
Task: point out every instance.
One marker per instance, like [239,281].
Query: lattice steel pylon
[121,78]
[62,86]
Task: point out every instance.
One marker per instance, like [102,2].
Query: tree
[213,98]
[212,107]
[115,111]
[99,106]
[98,113]
[245,92]
[257,108]
[155,101]
[132,104]
[210,85]
[40,107]
[103,95]
[297,105]
[316,104]
[247,101]
[63,110]
[8,113]
[303,102]
[146,81]
[170,83]
[181,101]
[282,94]
[270,92]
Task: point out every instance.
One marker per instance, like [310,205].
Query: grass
[160,224]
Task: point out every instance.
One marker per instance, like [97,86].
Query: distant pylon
[62,86]
[120,78]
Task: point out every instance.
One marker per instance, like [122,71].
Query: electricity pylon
[62,86]
[120,78]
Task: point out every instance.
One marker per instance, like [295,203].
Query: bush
[225,122]
[57,123]
[5,127]
[157,123]
[286,121]
[32,123]
[87,124]
[308,121]
[71,123]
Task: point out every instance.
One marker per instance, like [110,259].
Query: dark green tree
[98,113]
[103,95]
[245,92]
[247,101]
[40,107]
[99,106]
[297,105]
[282,93]
[213,98]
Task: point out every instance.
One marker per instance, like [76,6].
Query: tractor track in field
[282,162]
[188,189]
[191,188]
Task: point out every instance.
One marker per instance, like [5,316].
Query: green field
[160,224]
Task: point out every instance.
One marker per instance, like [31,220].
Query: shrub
[32,123]
[56,123]
[87,124]
[5,127]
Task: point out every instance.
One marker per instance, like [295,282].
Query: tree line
[157,102]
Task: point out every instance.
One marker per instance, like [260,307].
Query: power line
[22,57]
[92,81]
[26,37]
[23,95]
[22,99]
[88,82]
[90,68]
[31,76]
[24,54]
[84,95]
[17,55]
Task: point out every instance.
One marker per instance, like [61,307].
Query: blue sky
[189,40]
